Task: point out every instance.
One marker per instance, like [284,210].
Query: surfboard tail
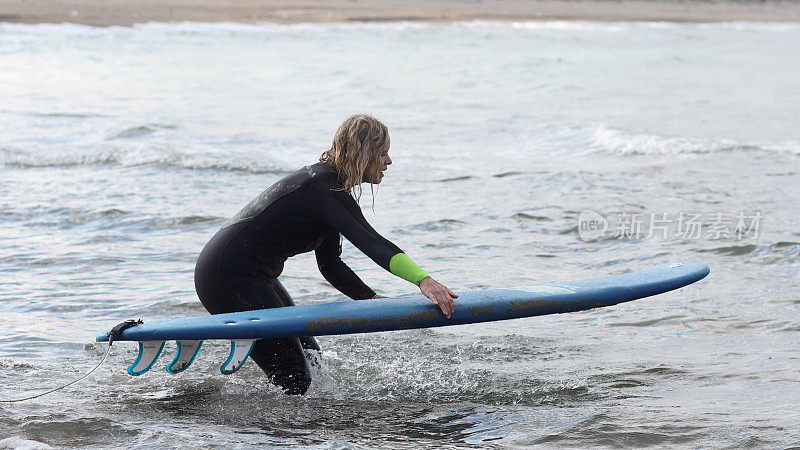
[149,351]
[187,352]
[240,350]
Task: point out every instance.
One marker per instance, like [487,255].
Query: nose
[388,160]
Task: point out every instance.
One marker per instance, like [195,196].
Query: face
[382,164]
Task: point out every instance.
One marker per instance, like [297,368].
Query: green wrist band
[402,266]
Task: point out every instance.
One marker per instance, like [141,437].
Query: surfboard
[387,314]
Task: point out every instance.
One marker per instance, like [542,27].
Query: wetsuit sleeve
[344,214]
[402,266]
[336,271]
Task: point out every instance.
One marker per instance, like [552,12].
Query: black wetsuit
[238,268]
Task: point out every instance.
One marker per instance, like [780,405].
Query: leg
[308,342]
[281,359]
[284,362]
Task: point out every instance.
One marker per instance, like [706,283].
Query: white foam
[22,444]
[188,27]
[60,29]
[205,28]
[752,26]
[153,154]
[621,142]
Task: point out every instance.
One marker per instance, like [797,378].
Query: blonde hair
[355,149]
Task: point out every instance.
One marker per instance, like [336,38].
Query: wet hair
[355,150]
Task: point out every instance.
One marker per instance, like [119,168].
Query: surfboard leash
[113,334]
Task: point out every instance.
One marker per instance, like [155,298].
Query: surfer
[310,209]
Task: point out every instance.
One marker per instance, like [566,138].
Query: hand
[439,295]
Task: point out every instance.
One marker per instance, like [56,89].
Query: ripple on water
[506,174]
[608,430]
[82,431]
[764,254]
[660,321]
[142,130]
[637,377]
[461,178]
[437,225]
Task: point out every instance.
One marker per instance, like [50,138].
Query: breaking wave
[251,161]
[621,142]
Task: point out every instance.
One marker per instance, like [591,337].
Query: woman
[307,210]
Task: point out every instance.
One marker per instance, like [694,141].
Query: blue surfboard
[398,313]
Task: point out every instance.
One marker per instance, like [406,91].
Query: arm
[336,271]
[345,215]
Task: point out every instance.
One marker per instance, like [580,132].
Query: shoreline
[127,13]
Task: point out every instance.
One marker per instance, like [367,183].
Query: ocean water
[123,150]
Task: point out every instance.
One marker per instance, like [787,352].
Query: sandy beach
[122,12]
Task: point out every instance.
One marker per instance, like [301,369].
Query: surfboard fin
[240,350]
[148,353]
[187,352]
